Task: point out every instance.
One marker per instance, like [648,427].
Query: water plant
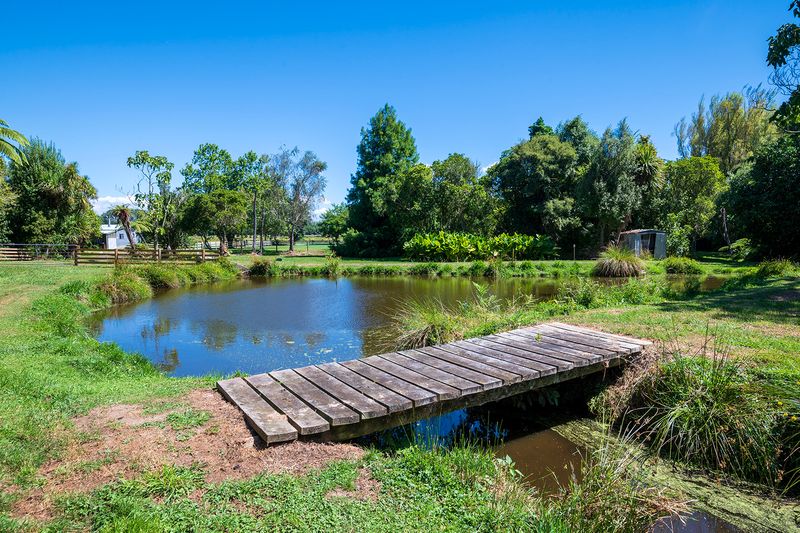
[618,262]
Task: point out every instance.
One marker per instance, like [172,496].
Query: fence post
[116,256]
[158,254]
[203,254]
[75,254]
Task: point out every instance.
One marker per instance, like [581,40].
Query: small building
[114,236]
[643,241]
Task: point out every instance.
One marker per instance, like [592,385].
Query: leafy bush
[444,246]
[679,242]
[124,285]
[261,267]
[681,265]
[741,249]
[618,262]
[774,268]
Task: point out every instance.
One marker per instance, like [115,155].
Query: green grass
[618,262]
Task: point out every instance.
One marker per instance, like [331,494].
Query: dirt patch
[122,441]
[366,488]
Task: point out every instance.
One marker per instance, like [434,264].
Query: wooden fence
[127,256]
[31,252]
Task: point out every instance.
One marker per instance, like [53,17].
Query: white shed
[115,237]
[642,241]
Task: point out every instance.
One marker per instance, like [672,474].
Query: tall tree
[608,192]
[12,143]
[387,149]
[461,198]
[648,176]
[529,178]
[784,57]
[585,142]
[691,188]
[53,198]
[764,196]
[211,169]
[251,173]
[8,202]
[220,212]
[539,128]
[730,129]
[301,178]
[123,215]
[153,191]
[334,222]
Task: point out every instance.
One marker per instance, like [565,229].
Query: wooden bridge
[337,401]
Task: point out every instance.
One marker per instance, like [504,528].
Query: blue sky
[104,80]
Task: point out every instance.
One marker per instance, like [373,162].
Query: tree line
[44,199]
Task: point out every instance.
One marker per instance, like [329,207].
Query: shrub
[741,249]
[705,411]
[618,262]
[160,276]
[262,267]
[447,246]
[774,268]
[681,265]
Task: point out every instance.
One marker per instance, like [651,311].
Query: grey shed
[645,240]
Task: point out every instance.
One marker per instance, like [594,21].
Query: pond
[258,326]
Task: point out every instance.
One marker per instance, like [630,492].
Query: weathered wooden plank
[416,394]
[457,382]
[543,349]
[562,344]
[539,340]
[580,338]
[365,406]
[270,425]
[602,334]
[486,381]
[443,391]
[394,402]
[325,404]
[549,364]
[301,415]
[472,363]
[564,337]
[522,367]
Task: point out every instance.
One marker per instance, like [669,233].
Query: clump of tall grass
[262,267]
[124,285]
[705,410]
[774,268]
[332,266]
[681,265]
[423,323]
[618,262]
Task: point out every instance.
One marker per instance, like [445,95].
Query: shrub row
[444,246]
[263,267]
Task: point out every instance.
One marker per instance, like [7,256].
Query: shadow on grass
[778,302]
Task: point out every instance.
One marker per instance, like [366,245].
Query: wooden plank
[322,402]
[547,342]
[443,392]
[485,381]
[365,406]
[547,364]
[472,364]
[391,400]
[522,367]
[457,382]
[601,334]
[417,395]
[625,344]
[270,425]
[544,349]
[568,345]
[303,417]
[580,338]
[563,338]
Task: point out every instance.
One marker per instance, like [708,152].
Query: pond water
[258,326]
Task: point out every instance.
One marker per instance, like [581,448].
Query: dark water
[260,326]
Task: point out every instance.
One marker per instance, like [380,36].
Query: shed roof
[640,231]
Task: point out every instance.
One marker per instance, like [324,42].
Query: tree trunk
[263,223]
[255,218]
[291,238]
[223,244]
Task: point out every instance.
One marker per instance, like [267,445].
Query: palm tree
[7,138]
[123,215]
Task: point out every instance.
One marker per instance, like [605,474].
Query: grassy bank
[53,373]
[723,392]
[297,266]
